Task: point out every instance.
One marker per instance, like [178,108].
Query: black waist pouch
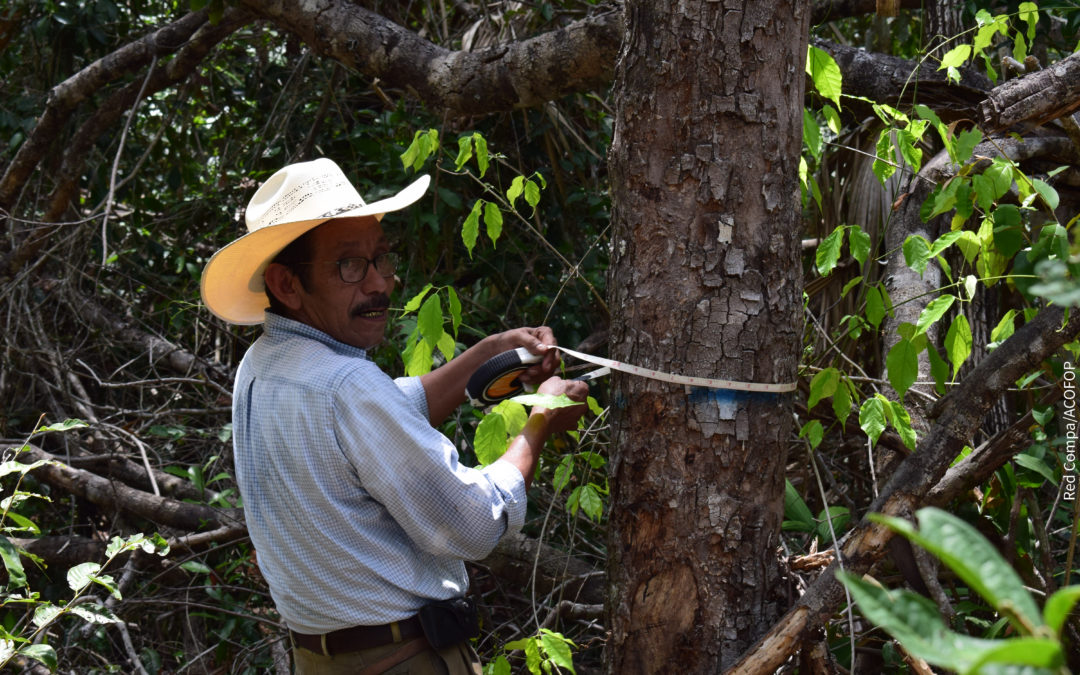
[449,622]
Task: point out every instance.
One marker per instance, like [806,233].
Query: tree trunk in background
[705,280]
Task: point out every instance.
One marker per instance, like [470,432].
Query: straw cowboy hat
[294,200]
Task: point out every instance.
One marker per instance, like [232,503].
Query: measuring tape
[498,378]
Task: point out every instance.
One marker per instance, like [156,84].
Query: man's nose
[374,282]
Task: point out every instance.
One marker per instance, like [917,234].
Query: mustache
[376,303]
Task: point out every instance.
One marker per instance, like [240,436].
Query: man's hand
[536,341]
[563,419]
[524,450]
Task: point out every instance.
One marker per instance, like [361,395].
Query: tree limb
[577,57]
[116,496]
[960,414]
[65,97]
[1038,98]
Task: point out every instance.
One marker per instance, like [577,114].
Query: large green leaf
[872,418]
[828,251]
[915,622]
[958,342]
[934,311]
[10,556]
[824,73]
[1059,605]
[902,364]
[822,385]
[974,560]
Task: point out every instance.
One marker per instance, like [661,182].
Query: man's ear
[284,284]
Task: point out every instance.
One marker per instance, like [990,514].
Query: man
[357,506]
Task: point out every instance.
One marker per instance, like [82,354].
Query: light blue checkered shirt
[358,509]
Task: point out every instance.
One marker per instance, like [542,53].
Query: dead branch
[116,496]
[1037,98]
[65,97]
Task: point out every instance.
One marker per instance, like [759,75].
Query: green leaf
[902,364]
[814,432]
[824,73]
[470,229]
[1058,607]
[828,251]
[916,253]
[418,359]
[45,613]
[958,342]
[872,418]
[81,575]
[414,304]
[517,186]
[1005,327]
[465,151]
[430,320]
[532,193]
[500,666]
[1048,193]
[514,414]
[875,306]
[1008,229]
[66,425]
[859,242]
[822,385]
[563,473]
[482,156]
[196,567]
[455,308]
[966,141]
[795,509]
[901,421]
[1032,463]
[12,563]
[933,311]
[490,441]
[424,143]
[939,369]
[811,134]
[446,345]
[94,613]
[975,560]
[587,498]
[557,649]
[916,624]
[1040,653]
[839,516]
[43,654]
[493,219]
[1029,14]
[884,153]
[842,403]
[850,285]
[968,243]
[545,400]
[955,57]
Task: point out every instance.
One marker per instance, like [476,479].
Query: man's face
[351,313]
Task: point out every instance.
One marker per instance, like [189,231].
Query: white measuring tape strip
[681,379]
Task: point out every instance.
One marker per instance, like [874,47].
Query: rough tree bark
[705,265]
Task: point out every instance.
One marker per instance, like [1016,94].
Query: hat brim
[232,284]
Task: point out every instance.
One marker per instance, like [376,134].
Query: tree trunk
[706,279]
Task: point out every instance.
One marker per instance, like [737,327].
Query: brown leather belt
[358,637]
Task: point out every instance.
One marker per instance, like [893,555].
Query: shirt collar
[278,326]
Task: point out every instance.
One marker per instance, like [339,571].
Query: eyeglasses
[353,270]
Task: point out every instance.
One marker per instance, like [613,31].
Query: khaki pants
[457,660]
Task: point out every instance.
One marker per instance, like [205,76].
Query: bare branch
[1038,98]
[119,497]
[65,97]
